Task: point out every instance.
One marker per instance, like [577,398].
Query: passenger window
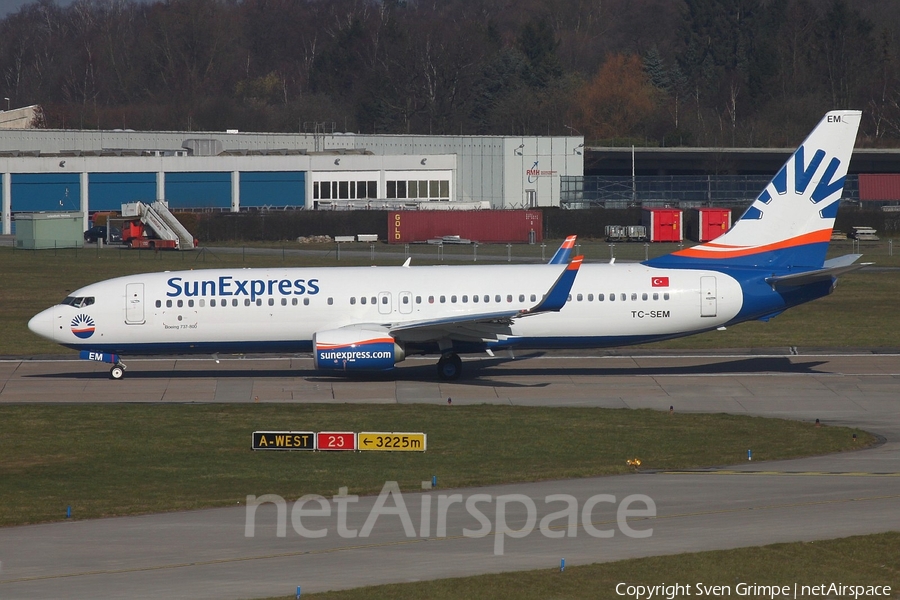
[590,297]
[330,301]
[159,304]
[212,302]
[474,298]
[533,298]
[283,301]
[655,296]
[666,296]
[362,300]
[644,296]
[521,297]
[623,297]
[384,300]
[180,303]
[633,296]
[294,301]
[612,297]
[443,299]
[404,300]
[202,302]
[453,299]
[234,301]
[247,302]
[430,299]
[465,298]
[569,298]
[168,304]
[191,303]
[352,300]
[306,302]
[600,297]
[259,301]
[373,300]
[497,298]
[271,301]
[509,298]
[487,298]
[418,299]
[579,297]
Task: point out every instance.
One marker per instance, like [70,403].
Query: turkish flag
[660,282]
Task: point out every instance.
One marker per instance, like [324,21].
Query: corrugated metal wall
[273,188]
[33,192]
[108,191]
[198,190]
[883,188]
[486,226]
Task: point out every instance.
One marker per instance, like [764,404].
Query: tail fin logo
[790,222]
[826,186]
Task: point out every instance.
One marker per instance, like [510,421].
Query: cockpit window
[78,301]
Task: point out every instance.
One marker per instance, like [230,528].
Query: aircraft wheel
[449,367]
[116,372]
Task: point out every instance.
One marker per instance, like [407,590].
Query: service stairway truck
[154,226]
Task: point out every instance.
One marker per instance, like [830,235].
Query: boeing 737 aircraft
[370,318]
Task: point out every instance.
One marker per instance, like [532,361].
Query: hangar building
[89,171]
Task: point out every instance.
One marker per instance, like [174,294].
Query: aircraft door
[406,302]
[134,303]
[708,296]
[384,303]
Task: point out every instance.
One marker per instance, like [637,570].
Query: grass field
[127,459]
[859,560]
[859,314]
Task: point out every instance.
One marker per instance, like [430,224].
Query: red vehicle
[136,235]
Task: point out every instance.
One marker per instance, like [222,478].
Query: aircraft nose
[42,323]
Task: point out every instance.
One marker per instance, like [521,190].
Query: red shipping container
[713,222]
[663,224]
[879,187]
[483,226]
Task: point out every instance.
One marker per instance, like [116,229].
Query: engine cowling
[355,350]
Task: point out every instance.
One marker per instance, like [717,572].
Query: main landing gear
[449,367]
[117,371]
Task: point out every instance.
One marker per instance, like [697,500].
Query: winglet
[565,251]
[558,295]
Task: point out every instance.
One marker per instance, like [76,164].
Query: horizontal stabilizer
[832,268]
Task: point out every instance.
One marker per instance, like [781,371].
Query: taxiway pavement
[207,554]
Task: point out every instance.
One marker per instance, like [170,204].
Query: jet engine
[355,350]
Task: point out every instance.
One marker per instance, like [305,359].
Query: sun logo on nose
[83,326]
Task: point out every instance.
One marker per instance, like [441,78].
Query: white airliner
[370,318]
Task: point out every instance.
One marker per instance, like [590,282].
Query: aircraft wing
[490,324]
[831,268]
